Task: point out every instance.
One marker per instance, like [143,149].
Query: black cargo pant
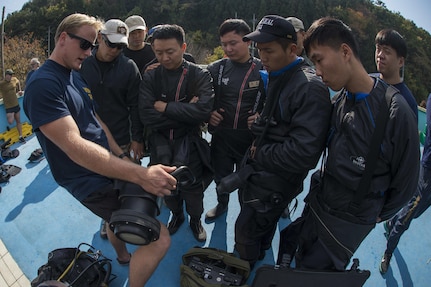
[192,195]
[259,215]
[228,147]
[254,231]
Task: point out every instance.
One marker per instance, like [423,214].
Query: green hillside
[201,18]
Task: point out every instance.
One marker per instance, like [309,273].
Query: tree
[201,19]
[217,54]
[17,54]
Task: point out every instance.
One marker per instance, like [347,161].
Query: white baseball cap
[297,24]
[135,22]
[116,31]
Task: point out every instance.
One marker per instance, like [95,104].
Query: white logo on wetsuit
[225,81]
[359,161]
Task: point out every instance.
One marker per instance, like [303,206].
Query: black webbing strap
[373,152]
[272,101]
[190,81]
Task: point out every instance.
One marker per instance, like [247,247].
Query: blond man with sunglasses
[82,153]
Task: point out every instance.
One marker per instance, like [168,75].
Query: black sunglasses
[84,44]
[119,46]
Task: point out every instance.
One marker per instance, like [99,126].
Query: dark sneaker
[103,233]
[198,231]
[384,265]
[216,211]
[175,223]
[22,140]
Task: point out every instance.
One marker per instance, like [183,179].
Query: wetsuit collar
[361,96]
[265,75]
[291,65]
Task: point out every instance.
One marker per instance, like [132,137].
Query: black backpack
[210,267]
[75,267]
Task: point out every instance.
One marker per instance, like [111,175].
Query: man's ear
[99,37]
[293,48]
[346,50]
[61,38]
[184,47]
[401,61]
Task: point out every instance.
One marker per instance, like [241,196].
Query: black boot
[223,201]
[216,211]
[175,223]
[198,230]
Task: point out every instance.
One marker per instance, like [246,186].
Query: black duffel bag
[275,276]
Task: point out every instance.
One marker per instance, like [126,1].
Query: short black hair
[284,43]
[168,31]
[330,32]
[238,26]
[392,38]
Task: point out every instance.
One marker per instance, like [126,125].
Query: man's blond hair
[73,22]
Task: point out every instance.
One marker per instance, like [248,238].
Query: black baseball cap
[270,28]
